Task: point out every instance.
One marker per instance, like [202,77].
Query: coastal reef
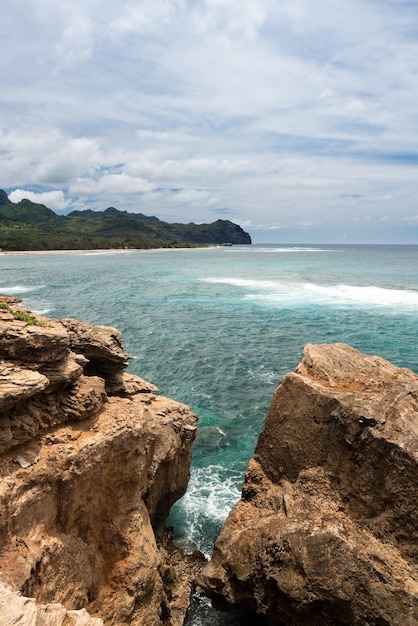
[91,460]
[326,531]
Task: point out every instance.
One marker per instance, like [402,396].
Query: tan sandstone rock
[16,610]
[87,480]
[326,531]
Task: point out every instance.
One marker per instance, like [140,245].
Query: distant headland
[27,226]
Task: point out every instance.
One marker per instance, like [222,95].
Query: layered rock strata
[91,460]
[326,531]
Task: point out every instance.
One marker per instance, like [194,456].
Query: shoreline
[105,250]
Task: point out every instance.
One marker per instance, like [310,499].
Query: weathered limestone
[86,480]
[102,346]
[16,610]
[326,530]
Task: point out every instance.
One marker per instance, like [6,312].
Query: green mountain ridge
[26,225]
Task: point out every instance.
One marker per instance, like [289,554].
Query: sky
[297,120]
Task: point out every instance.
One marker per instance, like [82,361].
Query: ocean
[217,328]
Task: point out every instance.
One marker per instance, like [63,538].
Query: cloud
[230,20]
[75,44]
[151,17]
[110,184]
[48,157]
[269,108]
[223,211]
[54,200]
[193,197]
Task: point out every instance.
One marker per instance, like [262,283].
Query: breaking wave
[211,493]
[284,294]
[16,290]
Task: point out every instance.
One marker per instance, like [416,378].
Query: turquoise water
[218,328]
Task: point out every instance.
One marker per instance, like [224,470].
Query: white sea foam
[272,249]
[244,282]
[299,294]
[19,289]
[44,312]
[211,494]
[369,295]
[291,250]
[261,375]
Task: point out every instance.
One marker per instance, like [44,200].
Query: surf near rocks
[326,528]
[91,460]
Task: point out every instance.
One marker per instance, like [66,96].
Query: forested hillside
[29,226]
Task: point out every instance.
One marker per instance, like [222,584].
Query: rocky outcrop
[91,460]
[326,530]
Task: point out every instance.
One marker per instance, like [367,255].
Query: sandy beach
[104,250]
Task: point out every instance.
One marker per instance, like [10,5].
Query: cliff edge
[326,529]
[91,460]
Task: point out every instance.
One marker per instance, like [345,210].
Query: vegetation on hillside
[29,226]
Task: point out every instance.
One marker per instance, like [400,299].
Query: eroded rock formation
[326,531]
[91,460]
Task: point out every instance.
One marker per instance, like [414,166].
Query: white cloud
[110,184]
[75,44]
[150,17]
[193,197]
[54,200]
[50,157]
[263,108]
[230,20]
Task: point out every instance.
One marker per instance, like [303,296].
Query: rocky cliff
[91,460]
[326,530]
